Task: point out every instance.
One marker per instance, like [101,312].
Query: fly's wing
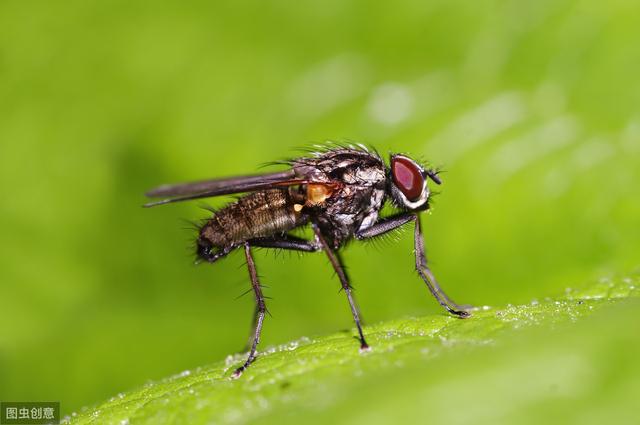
[225,186]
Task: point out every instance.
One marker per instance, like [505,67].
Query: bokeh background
[531,108]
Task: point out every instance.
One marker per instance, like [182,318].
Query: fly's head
[407,183]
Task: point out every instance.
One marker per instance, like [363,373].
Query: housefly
[338,191]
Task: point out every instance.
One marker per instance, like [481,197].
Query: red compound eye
[407,176]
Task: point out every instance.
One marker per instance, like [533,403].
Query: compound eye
[407,176]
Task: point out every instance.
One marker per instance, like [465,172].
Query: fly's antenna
[433,175]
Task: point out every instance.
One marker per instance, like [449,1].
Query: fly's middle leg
[261,309]
[344,280]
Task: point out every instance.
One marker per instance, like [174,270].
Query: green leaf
[573,359]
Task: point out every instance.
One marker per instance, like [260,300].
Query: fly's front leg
[385,226]
[260,309]
[344,280]
[394,222]
[428,277]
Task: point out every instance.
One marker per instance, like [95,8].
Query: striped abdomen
[259,214]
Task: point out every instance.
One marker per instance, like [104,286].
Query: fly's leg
[286,242]
[428,277]
[386,225]
[256,312]
[260,308]
[425,273]
[334,258]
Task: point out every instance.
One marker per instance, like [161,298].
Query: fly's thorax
[347,192]
[349,209]
[343,165]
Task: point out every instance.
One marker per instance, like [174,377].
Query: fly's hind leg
[256,312]
[261,309]
[287,242]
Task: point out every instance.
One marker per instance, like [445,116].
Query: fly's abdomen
[259,214]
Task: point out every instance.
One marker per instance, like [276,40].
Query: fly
[339,192]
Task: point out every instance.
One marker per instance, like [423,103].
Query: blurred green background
[532,108]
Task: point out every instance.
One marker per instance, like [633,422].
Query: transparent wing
[226,186]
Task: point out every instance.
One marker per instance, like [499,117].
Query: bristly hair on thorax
[318,149]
